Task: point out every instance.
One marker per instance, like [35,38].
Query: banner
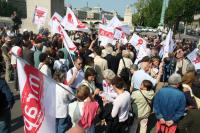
[104,20]
[39,17]
[114,22]
[72,23]
[137,41]
[106,34]
[143,51]
[194,59]
[38,97]
[168,45]
[55,19]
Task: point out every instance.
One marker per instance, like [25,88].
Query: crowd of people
[105,87]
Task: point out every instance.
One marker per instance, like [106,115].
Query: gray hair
[190,67]
[134,67]
[108,74]
[175,79]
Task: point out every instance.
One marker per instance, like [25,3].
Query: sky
[107,5]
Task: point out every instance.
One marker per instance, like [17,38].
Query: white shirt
[57,64]
[108,91]
[121,106]
[63,98]
[17,51]
[79,77]
[44,69]
[139,76]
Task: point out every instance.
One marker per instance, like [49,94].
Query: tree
[148,12]
[181,10]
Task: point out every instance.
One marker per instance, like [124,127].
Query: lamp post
[162,17]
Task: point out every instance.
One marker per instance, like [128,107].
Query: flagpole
[47,77]
[69,52]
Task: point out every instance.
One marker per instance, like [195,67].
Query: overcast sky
[108,5]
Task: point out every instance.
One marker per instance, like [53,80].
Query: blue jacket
[169,104]
[6,96]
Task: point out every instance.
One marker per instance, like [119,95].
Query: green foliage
[148,12]
[181,10]
[6,9]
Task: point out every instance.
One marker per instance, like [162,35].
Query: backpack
[125,73]
[63,67]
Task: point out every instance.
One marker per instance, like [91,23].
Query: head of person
[59,76]
[126,54]
[108,75]
[154,51]
[78,63]
[43,58]
[146,85]
[60,54]
[190,68]
[179,53]
[155,61]
[98,51]
[83,92]
[145,63]
[28,44]
[133,68]
[175,80]
[90,74]
[118,84]
[8,40]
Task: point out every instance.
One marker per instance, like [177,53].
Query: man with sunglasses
[75,75]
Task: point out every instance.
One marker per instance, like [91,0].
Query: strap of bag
[146,99]
[124,62]
[41,66]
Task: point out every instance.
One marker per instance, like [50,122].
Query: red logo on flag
[105,33]
[140,42]
[196,61]
[40,13]
[31,102]
[70,20]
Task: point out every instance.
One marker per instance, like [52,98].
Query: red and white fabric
[137,41]
[194,59]
[72,23]
[38,99]
[40,14]
[106,34]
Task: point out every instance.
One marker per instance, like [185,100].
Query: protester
[169,105]
[121,106]
[7,102]
[84,110]
[75,75]
[63,98]
[142,106]
[44,65]
[61,64]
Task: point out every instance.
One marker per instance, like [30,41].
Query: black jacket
[6,96]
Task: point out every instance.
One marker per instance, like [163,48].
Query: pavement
[16,115]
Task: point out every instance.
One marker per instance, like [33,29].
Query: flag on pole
[38,97]
[39,17]
[54,21]
[104,20]
[69,45]
[194,58]
[106,34]
[143,51]
[137,41]
[71,22]
[168,45]
[114,22]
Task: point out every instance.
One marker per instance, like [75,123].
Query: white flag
[53,22]
[194,59]
[106,34]
[114,22]
[168,45]
[72,23]
[143,51]
[137,41]
[39,17]
[69,45]
[38,97]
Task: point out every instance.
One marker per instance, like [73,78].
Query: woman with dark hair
[89,79]
[43,66]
